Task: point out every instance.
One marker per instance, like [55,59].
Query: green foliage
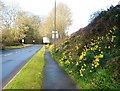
[90,55]
[118,38]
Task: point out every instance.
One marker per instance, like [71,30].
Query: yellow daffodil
[84,65]
[95,66]
[70,71]
[108,47]
[83,69]
[99,49]
[61,62]
[90,70]
[81,56]
[77,47]
[101,56]
[113,38]
[110,31]
[77,63]
[67,62]
[102,37]
[81,74]
[97,60]
[101,52]
[96,46]
[98,37]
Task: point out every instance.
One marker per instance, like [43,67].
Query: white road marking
[18,52]
[8,54]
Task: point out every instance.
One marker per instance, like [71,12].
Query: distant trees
[63,20]
[16,24]
[21,25]
[1,7]
[33,31]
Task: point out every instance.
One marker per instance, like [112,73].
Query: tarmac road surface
[13,60]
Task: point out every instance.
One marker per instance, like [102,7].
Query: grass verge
[16,47]
[30,77]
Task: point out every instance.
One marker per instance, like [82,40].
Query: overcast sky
[80,9]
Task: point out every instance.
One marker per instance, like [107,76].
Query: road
[14,60]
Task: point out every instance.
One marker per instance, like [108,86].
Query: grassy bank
[94,66]
[30,77]
[16,47]
[91,56]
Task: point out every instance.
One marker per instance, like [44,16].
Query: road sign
[22,40]
[33,41]
[55,33]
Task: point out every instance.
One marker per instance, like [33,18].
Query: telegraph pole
[55,27]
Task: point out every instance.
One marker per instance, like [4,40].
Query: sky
[80,9]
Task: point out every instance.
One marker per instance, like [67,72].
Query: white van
[46,40]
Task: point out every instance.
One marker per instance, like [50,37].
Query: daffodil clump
[92,56]
[98,51]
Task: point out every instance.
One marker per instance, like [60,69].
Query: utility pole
[55,27]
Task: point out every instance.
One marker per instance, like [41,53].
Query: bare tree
[1,8]
[63,21]
[9,14]
[1,5]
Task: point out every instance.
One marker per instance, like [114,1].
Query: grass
[30,77]
[16,47]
